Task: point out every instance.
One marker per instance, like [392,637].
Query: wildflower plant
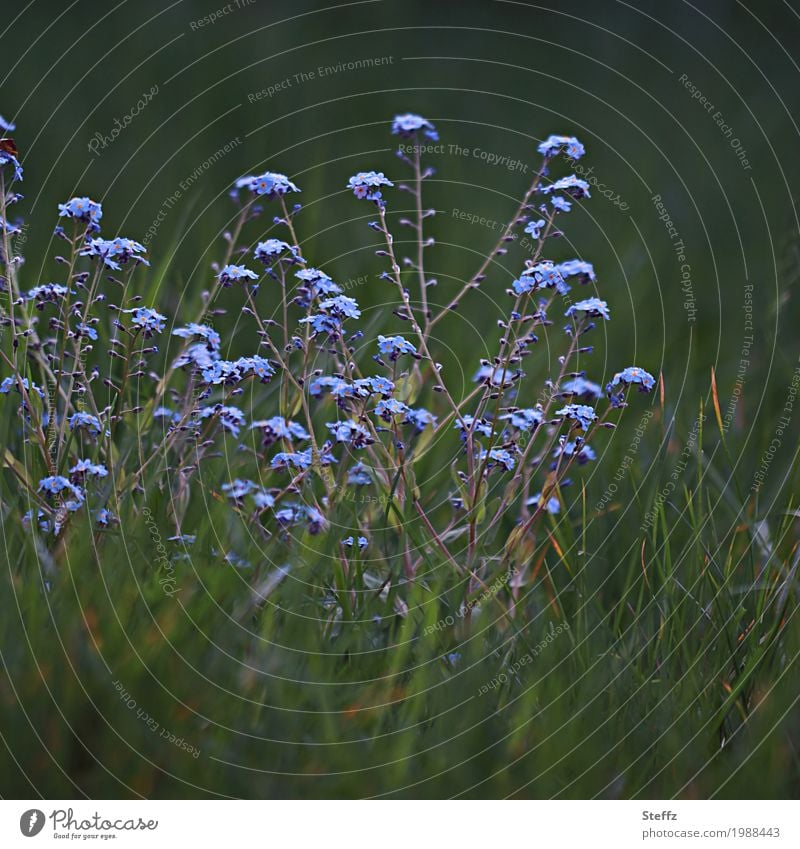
[113,396]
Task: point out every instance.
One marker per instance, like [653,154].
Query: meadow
[354,453]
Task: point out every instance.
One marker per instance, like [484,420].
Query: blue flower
[552,505]
[230,418]
[198,356]
[201,331]
[583,453]
[6,126]
[498,457]
[85,421]
[543,275]
[57,484]
[353,433]
[479,426]
[373,386]
[105,518]
[148,320]
[9,159]
[233,273]
[367,184]
[572,185]
[420,418]
[259,367]
[318,282]
[87,467]
[395,346]
[292,459]
[278,428]
[269,183]
[581,387]
[238,488]
[560,204]
[535,228]
[9,383]
[584,271]
[166,413]
[359,475]
[86,330]
[291,514]
[555,144]
[82,209]
[497,376]
[388,408]
[406,125]
[321,323]
[627,377]
[341,306]
[115,252]
[527,420]
[592,307]
[273,249]
[363,542]
[579,413]
[46,293]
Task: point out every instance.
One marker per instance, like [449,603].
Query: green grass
[677,674]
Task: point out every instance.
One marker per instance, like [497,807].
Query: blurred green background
[656,91]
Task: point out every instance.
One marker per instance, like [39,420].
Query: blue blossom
[388,408]
[115,252]
[199,356]
[238,488]
[395,346]
[375,385]
[367,184]
[201,331]
[359,475]
[555,144]
[278,428]
[535,228]
[318,282]
[233,273]
[592,307]
[584,271]
[498,457]
[86,330]
[6,126]
[583,453]
[105,518]
[627,377]
[58,484]
[552,505]
[351,432]
[406,125]
[260,367]
[88,468]
[9,383]
[82,209]
[7,158]
[322,323]
[166,413]
[495,375]
[543,275]
[479,426]
[148,320]
[292,514]
[579,413]
[341,306]
[85,421]
[269,183]
[420,418]
[231,419]
[560,204]
[581,387]
[527,420]
[572,185]
[292,459]
[362,542]
[46,293]
[273,249]
[263,500]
